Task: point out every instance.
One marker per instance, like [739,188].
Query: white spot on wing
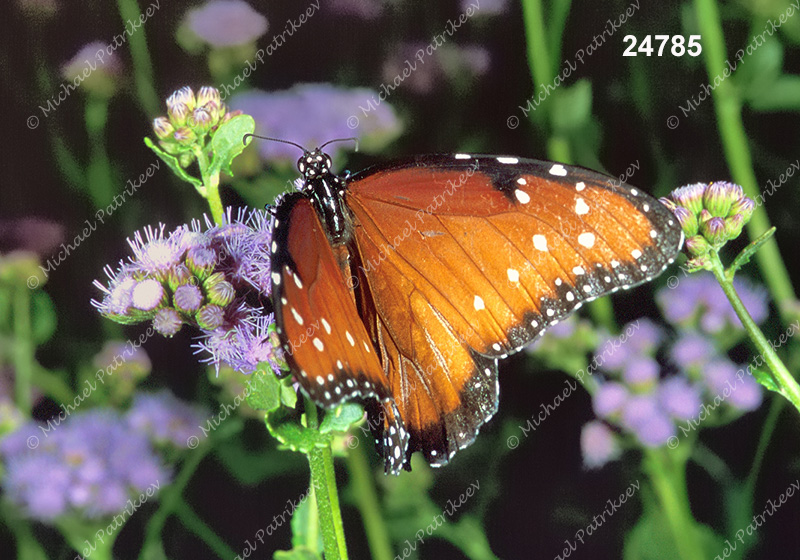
[350,338]
[522,196]
[297,316]
[558,170]
[508,160]
[578,270]
[581,207]
[579,186]
[636,253]
[318,345]
[478,303]
[462,156]
[326,326]
[513,275]
[586,239]
[540,242]
[276,278]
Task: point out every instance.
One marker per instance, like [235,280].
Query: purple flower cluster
[698,302]
[635,398]
[710,216]
[213,279]
[226,23]
[311,114]
[90,465]
[166,419]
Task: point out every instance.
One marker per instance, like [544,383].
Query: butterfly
[403,285]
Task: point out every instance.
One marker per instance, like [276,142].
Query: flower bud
[743,206]
[201,261]
[179,275]
[178,114]
[184,96]
[697,245]
[208,94]
[733,226]
[219,290]
[185,136]
[687,220]
[201,121]
[188,298]
[714,231]
[690,197]
[147,294]
[167,321]
[719,196]
[210,317]
[163,128]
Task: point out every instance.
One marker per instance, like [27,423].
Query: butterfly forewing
[470,256]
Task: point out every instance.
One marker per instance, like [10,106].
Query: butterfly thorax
[325,188]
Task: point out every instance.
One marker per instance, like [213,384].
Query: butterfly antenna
[352,138]
[248,135]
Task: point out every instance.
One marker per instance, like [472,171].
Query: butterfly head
[314,164]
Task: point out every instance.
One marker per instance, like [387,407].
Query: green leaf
[226,143]
[264,390]
[173,164]
[652,539]
[572,107]
[43,317]
[288,395]
[744,257]
[341,418]
[767,380]
[301,553]
[288,430]
[783,95]
[306,534]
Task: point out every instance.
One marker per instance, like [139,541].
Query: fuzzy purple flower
[599,445]
[728,382]
[202,278]
[90,465]
[692,350]
[311,114]
[226,23]
[165,418]
[609,399]
[698,300]
[679,398]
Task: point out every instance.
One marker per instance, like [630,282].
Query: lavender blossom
[203,278]
[165,418]
[226,23]
[599,445]
[311,114]
[90,466]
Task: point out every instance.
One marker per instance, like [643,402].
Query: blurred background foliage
[611,114]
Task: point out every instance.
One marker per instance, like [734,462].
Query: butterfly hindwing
[323,337]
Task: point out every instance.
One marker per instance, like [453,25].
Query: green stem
[199,527]
[366,498]
[142,66]
[99,177]
[323,480]
[737,152]
[24,349]
[767,430]
[168,503]
[789,387]
[210,188]
[667,474]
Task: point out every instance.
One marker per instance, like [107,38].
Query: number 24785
[678,45]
